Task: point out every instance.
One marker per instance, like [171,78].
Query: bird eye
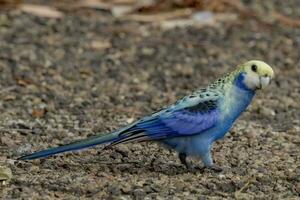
[254,68]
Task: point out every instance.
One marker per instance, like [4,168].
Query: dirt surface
[66,79]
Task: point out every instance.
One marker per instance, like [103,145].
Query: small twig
[159,17]
[237,193]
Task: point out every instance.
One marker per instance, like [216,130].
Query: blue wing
[192,115]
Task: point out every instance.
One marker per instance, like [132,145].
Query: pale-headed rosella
[192,124]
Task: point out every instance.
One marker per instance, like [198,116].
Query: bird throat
[238,97]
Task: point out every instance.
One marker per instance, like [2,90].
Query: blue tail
[89,142]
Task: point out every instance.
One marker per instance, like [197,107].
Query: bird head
[256,74]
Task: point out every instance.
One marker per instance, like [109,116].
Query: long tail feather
[89,142]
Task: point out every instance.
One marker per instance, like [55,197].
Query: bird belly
[222,129]
[198,143]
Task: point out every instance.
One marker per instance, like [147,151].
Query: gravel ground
[63,80]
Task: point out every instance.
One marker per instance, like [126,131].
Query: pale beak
[264,81]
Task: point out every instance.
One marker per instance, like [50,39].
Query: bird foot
[188,165]
[191,168]
[215,168]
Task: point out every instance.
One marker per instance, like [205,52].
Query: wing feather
[189,116]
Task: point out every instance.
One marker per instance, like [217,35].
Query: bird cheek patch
[251,81]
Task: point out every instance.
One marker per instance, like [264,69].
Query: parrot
[192,124]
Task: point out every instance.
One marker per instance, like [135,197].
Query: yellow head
[257,74]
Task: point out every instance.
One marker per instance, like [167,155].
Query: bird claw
[191,168]
[214,168]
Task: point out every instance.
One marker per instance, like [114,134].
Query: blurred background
[70,69]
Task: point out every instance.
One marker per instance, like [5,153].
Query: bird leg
[208,162]
[182,158]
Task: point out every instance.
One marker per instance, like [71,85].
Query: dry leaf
[23,82]
[41,11]
[38,113]
[100,45]
[94,4]
[9,98]
[86,71]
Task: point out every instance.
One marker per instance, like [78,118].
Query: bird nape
[192,124]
